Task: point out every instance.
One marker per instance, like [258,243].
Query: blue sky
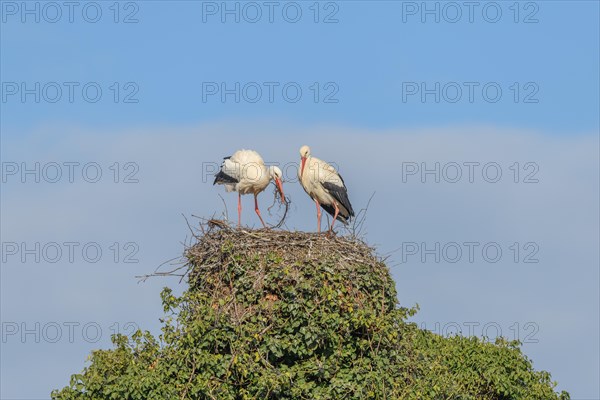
[362,106]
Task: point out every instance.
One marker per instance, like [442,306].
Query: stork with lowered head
[245,172]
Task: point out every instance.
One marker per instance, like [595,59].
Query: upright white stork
[245,172]
[325,186]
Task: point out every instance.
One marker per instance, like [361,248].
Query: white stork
[326,187]
[245,172]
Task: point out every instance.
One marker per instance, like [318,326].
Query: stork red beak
[280,187]
[302,166]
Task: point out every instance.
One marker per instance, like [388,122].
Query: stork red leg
[239,210]
[337,211]
[318,215]
[258,211]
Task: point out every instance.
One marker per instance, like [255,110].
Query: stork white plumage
[326,187]
[245,172]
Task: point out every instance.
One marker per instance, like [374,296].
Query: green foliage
[282,323]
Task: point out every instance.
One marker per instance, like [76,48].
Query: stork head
[276,174]
[304,154]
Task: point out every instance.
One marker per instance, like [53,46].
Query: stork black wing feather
[341,195]
[222,177]
[342,179]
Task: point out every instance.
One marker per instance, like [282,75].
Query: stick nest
[244,272]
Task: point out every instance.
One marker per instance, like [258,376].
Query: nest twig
[357,228]
[286,203]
